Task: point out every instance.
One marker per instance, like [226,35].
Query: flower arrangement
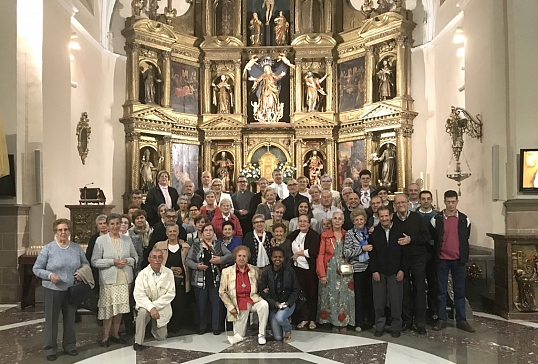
[251,171]
[288,170]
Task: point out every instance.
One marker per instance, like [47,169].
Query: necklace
[243,285]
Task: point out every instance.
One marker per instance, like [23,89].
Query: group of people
[288,253]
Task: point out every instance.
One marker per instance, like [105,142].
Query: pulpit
[83,219]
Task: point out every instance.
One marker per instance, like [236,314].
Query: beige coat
[227,288]
[163,245]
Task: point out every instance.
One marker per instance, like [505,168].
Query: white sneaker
[235,339]
[261,339]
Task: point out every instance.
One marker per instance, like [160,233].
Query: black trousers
[308,282]
[431,278]
[179,306]
[364,303]
[414,291]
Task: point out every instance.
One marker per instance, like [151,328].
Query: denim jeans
[459,274]
[280,323]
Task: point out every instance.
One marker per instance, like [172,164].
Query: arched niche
[267,156]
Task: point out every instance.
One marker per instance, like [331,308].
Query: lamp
[459,37]
[461,122]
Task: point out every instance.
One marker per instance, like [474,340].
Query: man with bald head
[293,199]
[206,184]
[353,203]
[188,191]
[327,209]
[413,191]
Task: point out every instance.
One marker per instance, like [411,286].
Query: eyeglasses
[259,222]
[217,185]
[62,230]
[170,216]
[193,210]
[242,181]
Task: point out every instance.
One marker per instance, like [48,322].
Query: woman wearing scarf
[259,243]
[140,234]
[356,248]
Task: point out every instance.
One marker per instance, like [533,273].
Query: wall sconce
[461,122]
[73,44]
[459,36]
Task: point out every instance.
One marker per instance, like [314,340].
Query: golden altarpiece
[232,82]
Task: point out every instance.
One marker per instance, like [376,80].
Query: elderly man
[293,199]
[206,184]
[413,191]
[352,204]
[347,182]
[279,185]
[154,290]
[327,209]
[159,232]
[193,198]
[241,203]
[375,204]
[303,186]
[326,184]
[136,199]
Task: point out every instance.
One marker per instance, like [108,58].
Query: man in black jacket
[414,241]
[162,193]
[387,264]
[292,200]
[159,234]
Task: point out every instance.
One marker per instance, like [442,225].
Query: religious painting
[528,176]
[313,167]
[351,160]
[184,165]
[149,167]
[224,169]
[351,85]
[185,88]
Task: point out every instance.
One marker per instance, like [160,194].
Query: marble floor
[495,341]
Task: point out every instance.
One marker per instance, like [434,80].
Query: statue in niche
[224,169]
[388,170]
[266,77]
[255,27]
[150,78]
[281,29]
[385,76]
[315,168]
[312,89]
[223,95]
[269,5]
[148,172]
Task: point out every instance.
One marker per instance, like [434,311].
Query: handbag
[345,268]
[79,293]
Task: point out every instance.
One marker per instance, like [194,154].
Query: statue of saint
[224,170]
[255,27]
[315,168]
[269,5]
[222,95]
[281,29]
[266,77]
[312,88]
[385,75]
[148,172]
[149,84]
[388,171]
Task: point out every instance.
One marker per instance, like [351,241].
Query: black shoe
[138,347]
[439,325]
[105,344]
[378,333]
[216,332]
[395,334]
[421,330]
[464,325]
[201,331]
[73,352]
[51,357]
[117,340]
[406,326]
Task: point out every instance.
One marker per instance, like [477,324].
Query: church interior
[98,96]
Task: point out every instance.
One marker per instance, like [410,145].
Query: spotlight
[459,37]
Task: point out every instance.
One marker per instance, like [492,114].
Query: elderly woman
[259,242]
[188,225]
[225,214]
[183,212]
[315,196]
[205,258]
[229,239]
[125,225]
[278,213]
[102,229]
[239,292]
[304,249]
[280,288]
[216,186]
[115,256]
[162,210]
[304,208]
[140,235]
[175,257]
[336,298]
[356,248]
[56,265]
[210,207]
[266,208]
[199,222]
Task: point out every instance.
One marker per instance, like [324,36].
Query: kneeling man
[154,290]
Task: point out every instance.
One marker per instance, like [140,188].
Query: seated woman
[266,208]
[225,214]
[280,288]
[304,208]
[239,292]
[204,259]
[336,298]
[258,242]
[229,239]
[278,212]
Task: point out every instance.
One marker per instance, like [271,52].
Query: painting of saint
[185,88]
[184,165]
[351,160]
[351,85]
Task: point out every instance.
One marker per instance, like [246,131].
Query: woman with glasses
[189,227]
[259,242]
[216,186]
[278,213]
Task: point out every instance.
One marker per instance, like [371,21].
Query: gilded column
[165,149]
[408,155]
[368,150]
[132,72]
[207,155]
[401,62]
[165,76]
[238,158]
[401,162]
[133,156]
[298,86]
[237,87]
[370,70]
[329,83]
[330,162]
[299,153]
[207,83]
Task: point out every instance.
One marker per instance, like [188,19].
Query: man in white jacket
[154,290]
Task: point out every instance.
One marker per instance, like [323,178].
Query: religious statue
[266,77]
[281,29]
[148,172]
[255,27]
[137,6]
[367,8]
[149,84]
[526,276]
[315,168]
[313,87]
[385,75]
[388,171]
[269,5]
[224,170]
[383,6]
[223,95]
